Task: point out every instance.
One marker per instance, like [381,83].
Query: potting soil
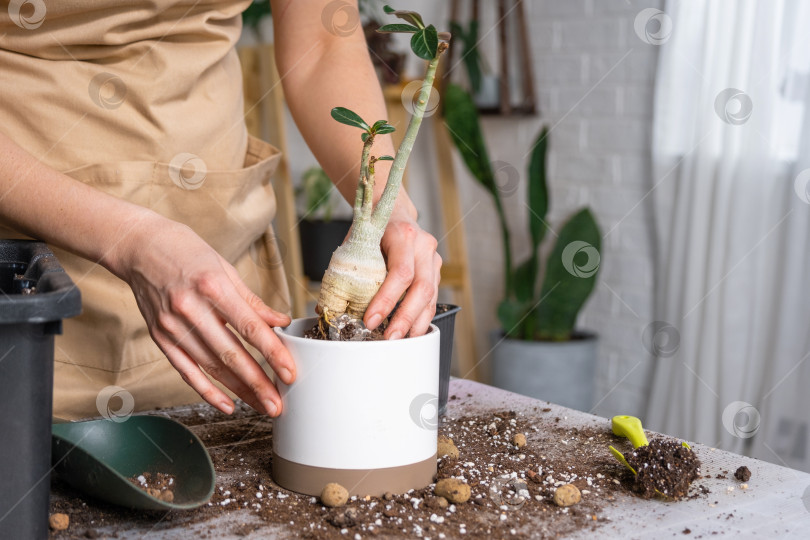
[511,488]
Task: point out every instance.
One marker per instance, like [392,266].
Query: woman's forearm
[43,203]
[320,70]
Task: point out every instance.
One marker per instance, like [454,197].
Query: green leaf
[410,16]
[512,316]
[461,117]
[425,43]
[538,190]
[364,136]
[385,158]
[316,188]
[387,128]
[377,125]
[526,278]
[391,28]
[470,56]
[348,117]
[571,272]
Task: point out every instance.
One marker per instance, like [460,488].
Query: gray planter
[560,372]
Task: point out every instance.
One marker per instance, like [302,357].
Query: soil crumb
[158,485]
[345,329]
[663,465]
[743,474]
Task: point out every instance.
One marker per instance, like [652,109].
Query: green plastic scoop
[630,427]
[98,457]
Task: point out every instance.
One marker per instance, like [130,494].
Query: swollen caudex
[351,281]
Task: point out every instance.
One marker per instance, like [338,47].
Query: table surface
[775,505]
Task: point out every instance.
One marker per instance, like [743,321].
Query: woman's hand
[187,293]
[414,268]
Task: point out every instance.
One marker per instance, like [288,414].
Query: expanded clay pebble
[58,522]
[452,489]
[567,495]
[519,440]
[446,447]
[334,495]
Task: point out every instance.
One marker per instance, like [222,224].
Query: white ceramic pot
[562,372]
[362,414]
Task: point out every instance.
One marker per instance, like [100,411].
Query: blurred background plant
[316,195]
[550,313]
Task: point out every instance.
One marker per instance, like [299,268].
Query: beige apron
[142,100]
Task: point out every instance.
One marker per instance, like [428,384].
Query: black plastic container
[319,239]
[35,295]
[446,321]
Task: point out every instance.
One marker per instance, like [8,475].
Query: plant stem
[361,183]
[386,203]
[368,196]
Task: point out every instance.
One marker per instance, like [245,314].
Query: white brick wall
[594,80]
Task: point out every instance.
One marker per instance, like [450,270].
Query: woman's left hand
[414,268]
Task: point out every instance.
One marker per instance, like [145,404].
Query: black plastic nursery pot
[319,239]
[445,319]
[35,295]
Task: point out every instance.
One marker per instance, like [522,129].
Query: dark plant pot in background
[28,323]
[319,239]
[446,321]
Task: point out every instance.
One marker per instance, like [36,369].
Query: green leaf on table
[385,158]
[425,43]
[348,117]
[396,28]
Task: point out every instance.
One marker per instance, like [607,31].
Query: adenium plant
[357,268]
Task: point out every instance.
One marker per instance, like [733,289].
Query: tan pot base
[311,480]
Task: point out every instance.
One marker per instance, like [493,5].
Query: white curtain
[731,198]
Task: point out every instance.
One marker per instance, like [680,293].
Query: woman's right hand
[188,294]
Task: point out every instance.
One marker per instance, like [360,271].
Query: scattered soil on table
[663,467]
[511,489]
[743,474]
[158,485]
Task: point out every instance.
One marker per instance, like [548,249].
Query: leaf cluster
[424,39]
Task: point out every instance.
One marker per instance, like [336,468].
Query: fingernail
[271,407]
[285,375]
[226,407]
[374,321]
[396,334]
